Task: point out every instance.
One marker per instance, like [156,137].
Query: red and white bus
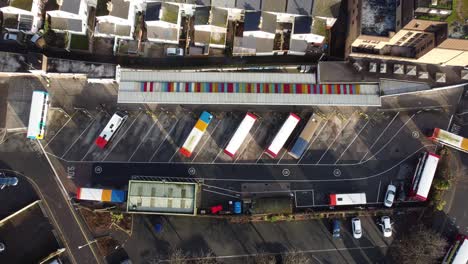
[347,199]
[283,135]
[458,253]
[241,133]
[423,176]
[108,132]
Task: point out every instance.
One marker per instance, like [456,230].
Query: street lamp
[87,244]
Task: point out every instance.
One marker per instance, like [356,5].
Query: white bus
[423,176]
[347,199]
[196,134]
[108,132]
[458,253]
[283,135]
[241,133]
[38,115]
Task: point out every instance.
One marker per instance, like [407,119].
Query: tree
[421,246]
[295,258]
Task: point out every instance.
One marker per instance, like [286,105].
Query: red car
[216,209]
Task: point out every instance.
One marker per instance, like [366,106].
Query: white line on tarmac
[279,253]
[312,142]
[76,140]
[68,121]
[120,138]
[260,157]
[293,140]
[313,196]
[378,191]
[248,142]
[165,138]
[394,135]
[337,136]
[220,188]
[143,139]
[207,139]
[225,145]
[381,134]
[349,145]
[221,193]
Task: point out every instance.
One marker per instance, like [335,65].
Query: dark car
[336,228]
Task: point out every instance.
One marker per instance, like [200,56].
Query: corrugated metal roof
[126,96]
[176,76]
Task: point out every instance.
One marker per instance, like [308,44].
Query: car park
[336,228]
[386,226]
[357,228]
[401,192]
[390,195]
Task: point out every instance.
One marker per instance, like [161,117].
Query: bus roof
[461,256]
[427,176]
[283,134]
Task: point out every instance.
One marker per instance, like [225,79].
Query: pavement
[25,160]
[241,242]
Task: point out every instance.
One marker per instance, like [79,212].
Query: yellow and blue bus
[38,115]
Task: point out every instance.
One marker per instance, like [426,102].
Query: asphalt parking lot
[354,151]
[240,242]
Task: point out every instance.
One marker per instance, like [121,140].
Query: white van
[174,52]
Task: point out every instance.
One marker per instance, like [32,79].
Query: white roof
[127,75]
[241,133]
[427,175]
[284,133]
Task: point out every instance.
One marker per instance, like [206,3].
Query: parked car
[2,247]
[386,225]
[357,228]
[174,52]
[336,228]
[8,181]
[401,192]
[390,195]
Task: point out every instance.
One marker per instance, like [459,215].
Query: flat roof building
[239,88]
[159,197]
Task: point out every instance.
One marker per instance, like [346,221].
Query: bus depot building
[160,197]
[239,88]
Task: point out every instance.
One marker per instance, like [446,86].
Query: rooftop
[162,197]
[162,32]
[248,4]
[120,8]
[455,44]
[224,3]
[301,7]
[152,11]
[260,21]
[274,5]
[62,23]
[71,6]
[302,24]
[329,8]
[22,4]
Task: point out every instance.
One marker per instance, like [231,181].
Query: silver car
[390,195]
[357,228]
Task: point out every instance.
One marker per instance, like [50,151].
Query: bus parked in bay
[196,134]
[304,138]
[282,136]
[241,133]
[458,253]
[110,129]
[38,115]
[347,199]
[423,176]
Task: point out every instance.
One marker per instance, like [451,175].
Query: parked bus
[100,195]
[347,199]
[423,176]
[109,130]
[450,139]
[241,133]
[282,135]
[458,253]
[38,115]
[304,138]
[196,134]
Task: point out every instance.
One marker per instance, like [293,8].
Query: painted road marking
[312,142]
[394,135]
[378,191]
[165,138]
[58,132]
[349,145]
[337,136]
[229,195]
[76,140]
[143,139]
[381,134]
[208,138]
[120,138]
[248,142]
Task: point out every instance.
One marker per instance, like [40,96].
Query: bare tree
[421,246]
[177,256]
[262,258]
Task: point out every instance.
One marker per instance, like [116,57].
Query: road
[25,160]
